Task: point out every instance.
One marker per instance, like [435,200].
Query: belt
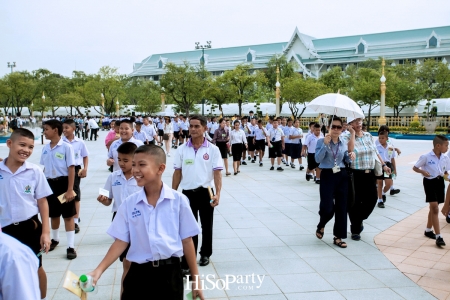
[200,188]
[57,178]
[163,262]
[362,171]
[21,222]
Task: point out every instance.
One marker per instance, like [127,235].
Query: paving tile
[371,262]
[368,294]
[315,251]
[392,278]
[345,280]
[331,264]
[286,266]
[273,252]
[296,283]
[228,255]
[315,296]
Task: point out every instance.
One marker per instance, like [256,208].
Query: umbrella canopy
[336,104]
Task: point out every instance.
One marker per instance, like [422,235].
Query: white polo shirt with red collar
[197,165]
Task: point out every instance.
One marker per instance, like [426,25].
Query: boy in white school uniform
[121,184]
[260,140]
[158,224]
[150,130]
[276,145]
[23,192]
[433,166]
[388,155]
[126,135]
[140,134]
[296,135]
[287,127]
[81,159]
[309,148]
[59,169]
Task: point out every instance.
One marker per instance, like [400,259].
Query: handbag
[378,166]
[166,137]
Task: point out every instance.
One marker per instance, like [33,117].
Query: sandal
[319,233]
[340,244]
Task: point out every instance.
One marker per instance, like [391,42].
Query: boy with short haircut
[388,155]
[433,166]
[276,145]
[139,134]
[157,246]
[309,148]
[23,192]
[149,130]
[121,184]
[59,169]
[81,158]
[295,135]
[260,140]
[287,127]
[126,135]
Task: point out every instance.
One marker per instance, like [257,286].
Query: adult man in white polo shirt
[198,164]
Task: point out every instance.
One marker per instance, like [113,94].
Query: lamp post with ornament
[382,119]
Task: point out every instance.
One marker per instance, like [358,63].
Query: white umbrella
[336,104]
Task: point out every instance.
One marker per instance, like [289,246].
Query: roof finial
[382,66]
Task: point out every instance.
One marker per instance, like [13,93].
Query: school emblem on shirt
[28,189]
[1,177]
[206,156]
[116,183]
[45,152]
[431,162]
[135,213]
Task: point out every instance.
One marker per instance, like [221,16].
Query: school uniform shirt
[269,126]
[214,127]
[184,125]
[433,165]
[197,166]
[120,188]
[286,132]
[176,126]
[161,126]
[275,134]
[93,124]
[20,191]
[79,149]
[154,233]
[260,134]
[252,129]
[237,137]
[149,131]
[18,270]
[57,160]
[388,153]
[141,136]
[112,153]
[296,131]
[311,142]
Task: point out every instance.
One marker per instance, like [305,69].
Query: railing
[405,121]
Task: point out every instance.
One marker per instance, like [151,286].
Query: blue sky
[63,35]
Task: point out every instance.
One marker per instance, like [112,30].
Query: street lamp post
[277,93]
[203,47]
[103,102]
[117,108]
[382,119]
[11,65]
[42,118]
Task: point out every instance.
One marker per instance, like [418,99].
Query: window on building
[249,57]
[160,64]
[432,42]
[401,61]
[156,77]
[361,48]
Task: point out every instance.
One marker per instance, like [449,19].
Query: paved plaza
[265,225]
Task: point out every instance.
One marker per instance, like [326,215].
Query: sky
[64,35]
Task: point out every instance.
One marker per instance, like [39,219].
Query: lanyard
[335,154]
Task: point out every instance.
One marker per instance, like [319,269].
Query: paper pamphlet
[71,283]
[103,192]
[62,199]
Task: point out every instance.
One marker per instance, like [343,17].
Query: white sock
[392,187]
[383,193]
[438,236]
[428,229]
[279,166]
[75,220]
[55,234]
[70,239]
[44,298]
[380,200]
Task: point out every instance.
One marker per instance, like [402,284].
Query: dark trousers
[365,199]
[94,133]
[200,205]
[144,281]
[333,201]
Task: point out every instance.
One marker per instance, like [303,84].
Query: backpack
[13,124]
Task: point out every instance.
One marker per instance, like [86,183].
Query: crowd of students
[32,201]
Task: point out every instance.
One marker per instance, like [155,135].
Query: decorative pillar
[382,119]
[163,100]
[277,93]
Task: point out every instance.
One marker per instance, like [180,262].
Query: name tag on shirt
[59,155]
[336,169]
[188,162]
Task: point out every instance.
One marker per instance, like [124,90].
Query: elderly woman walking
[364,176]
[331,152]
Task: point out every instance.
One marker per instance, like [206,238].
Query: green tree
[218,91]
[53,85]
[17,90]
[243,80]
[300,90]
[77,89]
[435,75]
[365,89]
[145,94]
[182,86]
[335,79]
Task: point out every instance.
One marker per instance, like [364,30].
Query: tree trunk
[368,117]
[240,107]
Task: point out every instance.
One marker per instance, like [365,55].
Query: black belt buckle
[16,223]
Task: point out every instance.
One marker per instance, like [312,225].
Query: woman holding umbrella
[331,152]
[364,176]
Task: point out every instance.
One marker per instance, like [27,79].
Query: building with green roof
[313,56]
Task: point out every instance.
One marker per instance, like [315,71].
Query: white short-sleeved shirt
[184,125]
[20,191]
[112,153]
[296,131]
[260,134]
[311,142]
[276,134]
[120,188]
[269,126]
[197,166]
[79,149]
[388,153]
[18,270]
[149,130]
[433,165]
[56,160]
[287,132]
[237,137]
[214,127]
[141,136]
[251,130]
[154,233]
